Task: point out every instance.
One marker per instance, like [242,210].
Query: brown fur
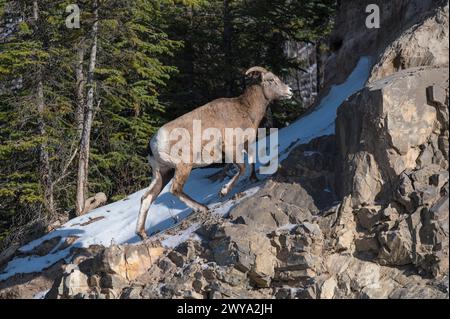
[245,111]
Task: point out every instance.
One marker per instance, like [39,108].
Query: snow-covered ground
[115,223]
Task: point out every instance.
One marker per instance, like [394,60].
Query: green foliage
[128,77]
[157,59]
[211,66]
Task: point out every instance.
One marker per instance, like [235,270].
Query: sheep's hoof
[223,192]
[203,209]
[142,234]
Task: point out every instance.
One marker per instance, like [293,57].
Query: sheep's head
[274,88]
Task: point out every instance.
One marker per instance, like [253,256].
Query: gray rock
[380,132]
[252,253]
[396,246]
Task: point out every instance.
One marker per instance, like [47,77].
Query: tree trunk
[227,47]
[83,164]
[79,115]
[44,162]
[318,67]
[189,53]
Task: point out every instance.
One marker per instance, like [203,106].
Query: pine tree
[125,83]
[78,106]
[31,110]
[222,38]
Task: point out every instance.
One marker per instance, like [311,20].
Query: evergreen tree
[78,106]
[222,38]
[120,90]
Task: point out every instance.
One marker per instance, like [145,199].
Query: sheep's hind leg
[146,201]
[181,175]
[229,186]
[159,180]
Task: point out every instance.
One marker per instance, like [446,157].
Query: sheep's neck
[256,103]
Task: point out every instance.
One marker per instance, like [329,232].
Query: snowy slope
[115,223]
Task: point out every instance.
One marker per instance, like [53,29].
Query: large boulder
[381,133]
[393,163]
[127,261]
[99,272]
[275,205]
[302,187]
[424,44]
[248,250]
[351,39]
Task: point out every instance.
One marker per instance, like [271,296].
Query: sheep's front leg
[229,186]
[181,175]
[253,177]
[220,175]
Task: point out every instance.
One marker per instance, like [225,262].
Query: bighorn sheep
[245,112]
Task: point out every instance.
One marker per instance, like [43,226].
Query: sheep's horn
[256,69]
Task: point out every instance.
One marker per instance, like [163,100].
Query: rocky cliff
[362,213]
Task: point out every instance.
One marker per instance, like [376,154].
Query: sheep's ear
[267,76]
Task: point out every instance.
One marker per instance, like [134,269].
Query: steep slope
[115,223]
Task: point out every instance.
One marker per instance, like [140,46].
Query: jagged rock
[177,258]
[231,276]
[251,253]
[367,246]
[432,251]
[74,283]
[345,228]
[355,278]
[351,39]
[133,292]
[405,193]
[302,187]
[396,246]
[98,272]
[312,166]
[380,132]
[420,238]
[275,205]
[328,288]
[424,44]
[414,291]
[128,261]
[368,216]
[112,281]
[298,252]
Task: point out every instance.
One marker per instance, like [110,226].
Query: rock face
[382,133]
[351,38]
[424,44]
[394,163]
[252,253]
